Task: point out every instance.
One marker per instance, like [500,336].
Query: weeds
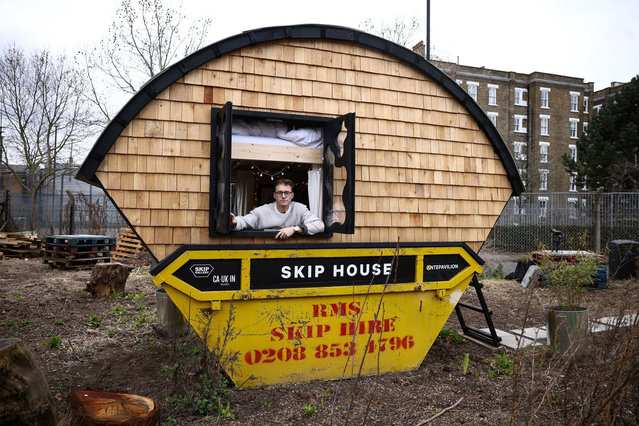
[136,297]
[94,321]
[446,332]
[225,412]
[465,363]
[117,310]
[309,409]
[13,324]
[54,342]
[494,274]
[85,293]
[19,297]
[501,366]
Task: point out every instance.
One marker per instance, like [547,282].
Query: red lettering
[276,334]
[367,327]
[336,309]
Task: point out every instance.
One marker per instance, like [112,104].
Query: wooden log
[24,394]
[108,278]
[93,407]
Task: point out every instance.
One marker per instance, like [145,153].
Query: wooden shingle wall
[425,172]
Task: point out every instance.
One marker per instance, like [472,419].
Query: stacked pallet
[127,245]
[20,245]
[77,251]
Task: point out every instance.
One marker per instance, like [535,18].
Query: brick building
[603,97]
[539,115]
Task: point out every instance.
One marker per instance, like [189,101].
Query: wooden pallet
[77,251]
[127,245]
[20,245]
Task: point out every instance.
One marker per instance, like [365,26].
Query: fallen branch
[441,412]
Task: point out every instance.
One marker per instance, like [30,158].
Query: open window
[251,150]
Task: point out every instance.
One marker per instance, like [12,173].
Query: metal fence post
[598,220]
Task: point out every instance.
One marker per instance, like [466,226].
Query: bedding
[270,133]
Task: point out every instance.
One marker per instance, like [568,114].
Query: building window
[493,117]
[596,108]
[585,104]
[585,127]
[521,96]
[543,206]
[573,128]
[543,152]
[573,152]
[523,173]
[572,208]
[472,89]
[573,182]
[574,101]
[544,96]
[492,94]
[521,124]
[543,179]
[236,187]
[520,150]
[543,121]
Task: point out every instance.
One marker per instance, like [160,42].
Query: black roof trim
[307,31]
[304,246]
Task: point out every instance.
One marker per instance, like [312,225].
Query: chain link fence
[526,222]
[60,214]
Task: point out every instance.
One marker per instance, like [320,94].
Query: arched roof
[308,31]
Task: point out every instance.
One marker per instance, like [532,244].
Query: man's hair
[288,182]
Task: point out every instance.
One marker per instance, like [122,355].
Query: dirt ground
[113,344]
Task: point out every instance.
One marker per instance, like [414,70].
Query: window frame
[543,179]
[574,134]
[519,151]
[475,86]
[543,211]
[492,94]
[519,96]
[586,104]
[572,184]
[544,148]
[221,155]
[492,116]
[545,97]
[574,101]
[544,119]
[572,152]
[518,123]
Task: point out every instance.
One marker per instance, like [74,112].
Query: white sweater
[268,217]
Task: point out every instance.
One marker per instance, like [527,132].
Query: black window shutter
[339,156]
[220,195]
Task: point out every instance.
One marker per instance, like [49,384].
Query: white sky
[591,39]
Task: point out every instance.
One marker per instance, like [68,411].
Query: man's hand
[285,233]
[233,221]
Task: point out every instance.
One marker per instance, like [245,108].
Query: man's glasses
[283,193]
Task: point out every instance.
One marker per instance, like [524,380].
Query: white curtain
[315,190]
[244,190]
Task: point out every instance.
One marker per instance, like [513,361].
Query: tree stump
[24,394]
[93,407]
[108,278]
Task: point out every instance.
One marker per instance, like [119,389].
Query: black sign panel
[329,271]
[442,267]
[211,275]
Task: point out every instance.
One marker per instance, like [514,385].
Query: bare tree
[44,113]
[144,39]
[399,31]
